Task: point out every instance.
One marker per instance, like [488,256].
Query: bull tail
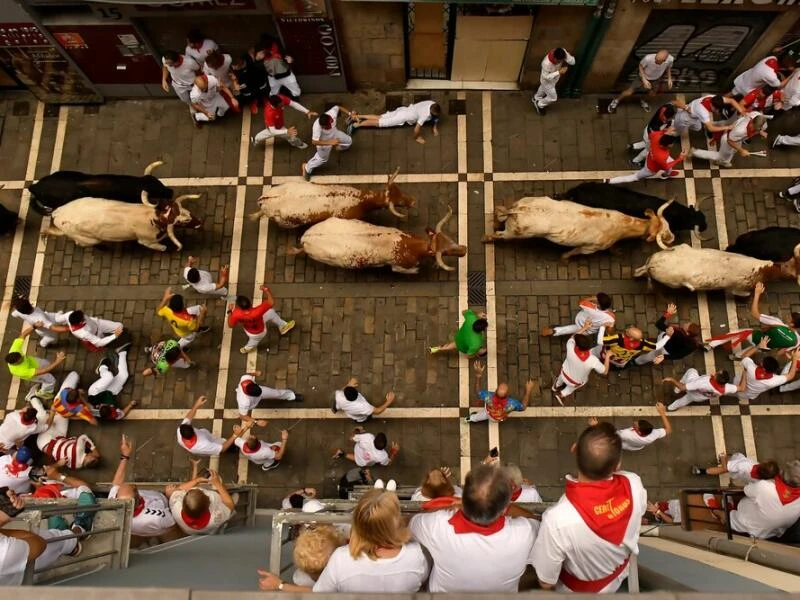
[501,214]
[295,250]
[52,231]
[641,271]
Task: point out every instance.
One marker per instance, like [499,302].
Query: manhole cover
[22,286]
[476,288]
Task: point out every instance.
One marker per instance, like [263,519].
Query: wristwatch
[280,587]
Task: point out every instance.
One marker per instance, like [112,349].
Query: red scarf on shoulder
[605,506]
[461,524]
[786,493]
[196,522]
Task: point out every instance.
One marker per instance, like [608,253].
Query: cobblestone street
[377,325]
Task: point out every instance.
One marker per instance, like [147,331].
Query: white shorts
[397,118]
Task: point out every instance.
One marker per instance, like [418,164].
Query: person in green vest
[31,368]
[470,339]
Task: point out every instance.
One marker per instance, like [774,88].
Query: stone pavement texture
[376,325]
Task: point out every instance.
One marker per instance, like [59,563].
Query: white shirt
[791,91]
[366,453]
[422,111]
[652,70]
[550,71]
[206,285]
[471,562]
[739,134]
[318,133]
[13,560]
[243,401]
[566,541]
[756,387]
[19,483]
[223,73]
[183,74]
[199,55]
[13,429]
[697,110]
[632,441]
[207,443]
[37,315]
[757,76]
[210,99]
[418,497]
[599,318]
[358,410]
[91,331]
[264,455]
[739,467]
[761,513]
[701,386]
[402,574]
[674,510]
[219,512]
[529,493]
[576,370]
[155,518]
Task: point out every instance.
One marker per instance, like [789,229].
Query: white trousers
[55,549]
[684,121]
[289,82]
[649,357]
[324,152]
[110,382]
[265,134]
[46,380]
[794,190]
[60,424]
[182,92]
[723,155]
[188,339]
[267,393]
[569,387]
[688,397]
[480,416]
[545,95]
[787,140]
[271,316]
[792,385]
[643,147]
[643,173]
[566,330]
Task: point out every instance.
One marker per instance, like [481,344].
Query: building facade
[87,50]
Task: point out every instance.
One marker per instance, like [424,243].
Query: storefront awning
[504,2]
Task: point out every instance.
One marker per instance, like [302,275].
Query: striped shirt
[72,449]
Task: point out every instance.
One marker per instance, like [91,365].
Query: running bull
[777,244]
[635,204]
[586,230]
[354,244]
[61,187]
[90,221]
[700,269]
[302,203]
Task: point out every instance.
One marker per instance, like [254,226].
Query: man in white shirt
[414,114]
[369,449]
[266,454]
[586,539]
[37,318]
[654,69]
[198,46]
[707,112]
[770,506]
[554,65]
[203,282]
[200,442]
[732,142]
[484,546]
[209,99]
[19,424]
[93,332]
[17,547]
[759,378]
[353,404]
[199,511]
[151,513]
[15,470]
[249,393]
[579,363]
[743,470]
[700,388]
[764,72]
[325,136]
[642,433]
[596,310]
[181,70]
[523,490]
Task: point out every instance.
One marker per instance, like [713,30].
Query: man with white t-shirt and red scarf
[586,540]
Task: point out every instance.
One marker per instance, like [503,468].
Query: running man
[732,142]
[470,339]
[579,363]
[203,282]
[210,99]
[554,65]
[254,319]
[186,321]
[699,388]
[37,318]
[325,136]
[414,114]
[658,161]
[598,310]
[181,70]
[31,368]
[654,70]
[274,121]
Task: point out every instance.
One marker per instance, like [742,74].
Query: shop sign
[299,7]
[198,5]
[312,43]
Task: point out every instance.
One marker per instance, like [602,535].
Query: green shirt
[780,336]
[160,360]
[467,340]
[29,365]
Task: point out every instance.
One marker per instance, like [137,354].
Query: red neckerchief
[754,472]
[772,63]
[190,442]
[196,522]
[630,343]
[605,506]
[716,385]
[582,354]
[496,407]
[516,494]
[762,374]
[786,493]
[183,314]
[80,325]
[706,102]
[461,525]
[49,490]
[663,506]
[247,450]
[25,421]
[14,468]
[139,507]
[551,56]
[442,502]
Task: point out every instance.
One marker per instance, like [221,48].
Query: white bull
[585,229]
[301,203]
[699,269]
[90,221]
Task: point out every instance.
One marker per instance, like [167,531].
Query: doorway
[490,48]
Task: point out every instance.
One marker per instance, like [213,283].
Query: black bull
[61,187]
[776,244]
[634,204]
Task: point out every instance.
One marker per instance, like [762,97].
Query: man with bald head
[151,514]
[654,70]
[498,405]
[586,539]
[624,346]
[483,546]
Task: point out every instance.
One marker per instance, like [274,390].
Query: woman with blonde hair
[312,550]
[379,559]
[437,484]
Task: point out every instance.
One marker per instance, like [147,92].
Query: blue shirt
[511,404]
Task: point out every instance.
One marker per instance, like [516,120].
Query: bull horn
[186,197]
[663,207]
[149,168]
[440,224]
[392,177]
[442,265]
[396,212]
[696,232]
[146,199]
[171,235]
[660,241]
[700,201]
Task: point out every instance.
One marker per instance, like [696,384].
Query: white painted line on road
[463,296]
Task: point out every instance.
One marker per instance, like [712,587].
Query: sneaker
[727,164]
[302,146]
[349,126]
[644,104]
[796,202]
[103,363]
[391,486]
[434,349]
[274,465]
[148,349]
[783,196]
[246,350]
[630,148]
[672,173]
[306,175]
[636,164]
[253,142]
[612,106]
[775,142]
[334,410]
[711,502]
[186,286]
[539,109]
[606,181]
[697,470]
[32,393]
[558,396]
[467,419]
[203,329]
[547,331]
[287,328]
[298,397]
[379,485]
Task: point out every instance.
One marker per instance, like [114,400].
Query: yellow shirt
[28,367]
[182,323]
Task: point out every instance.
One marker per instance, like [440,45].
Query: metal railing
[696,515]
[109,545]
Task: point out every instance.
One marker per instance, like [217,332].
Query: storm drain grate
[458,107]
[476,288]
[51,110]
[22,286]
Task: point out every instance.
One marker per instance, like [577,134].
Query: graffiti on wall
[707,45]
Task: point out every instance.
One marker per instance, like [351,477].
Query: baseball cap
[313,506]
[23,456]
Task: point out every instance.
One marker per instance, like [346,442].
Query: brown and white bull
[585,229]
[302,203]
[90,221]
[354,244]
[699,269]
